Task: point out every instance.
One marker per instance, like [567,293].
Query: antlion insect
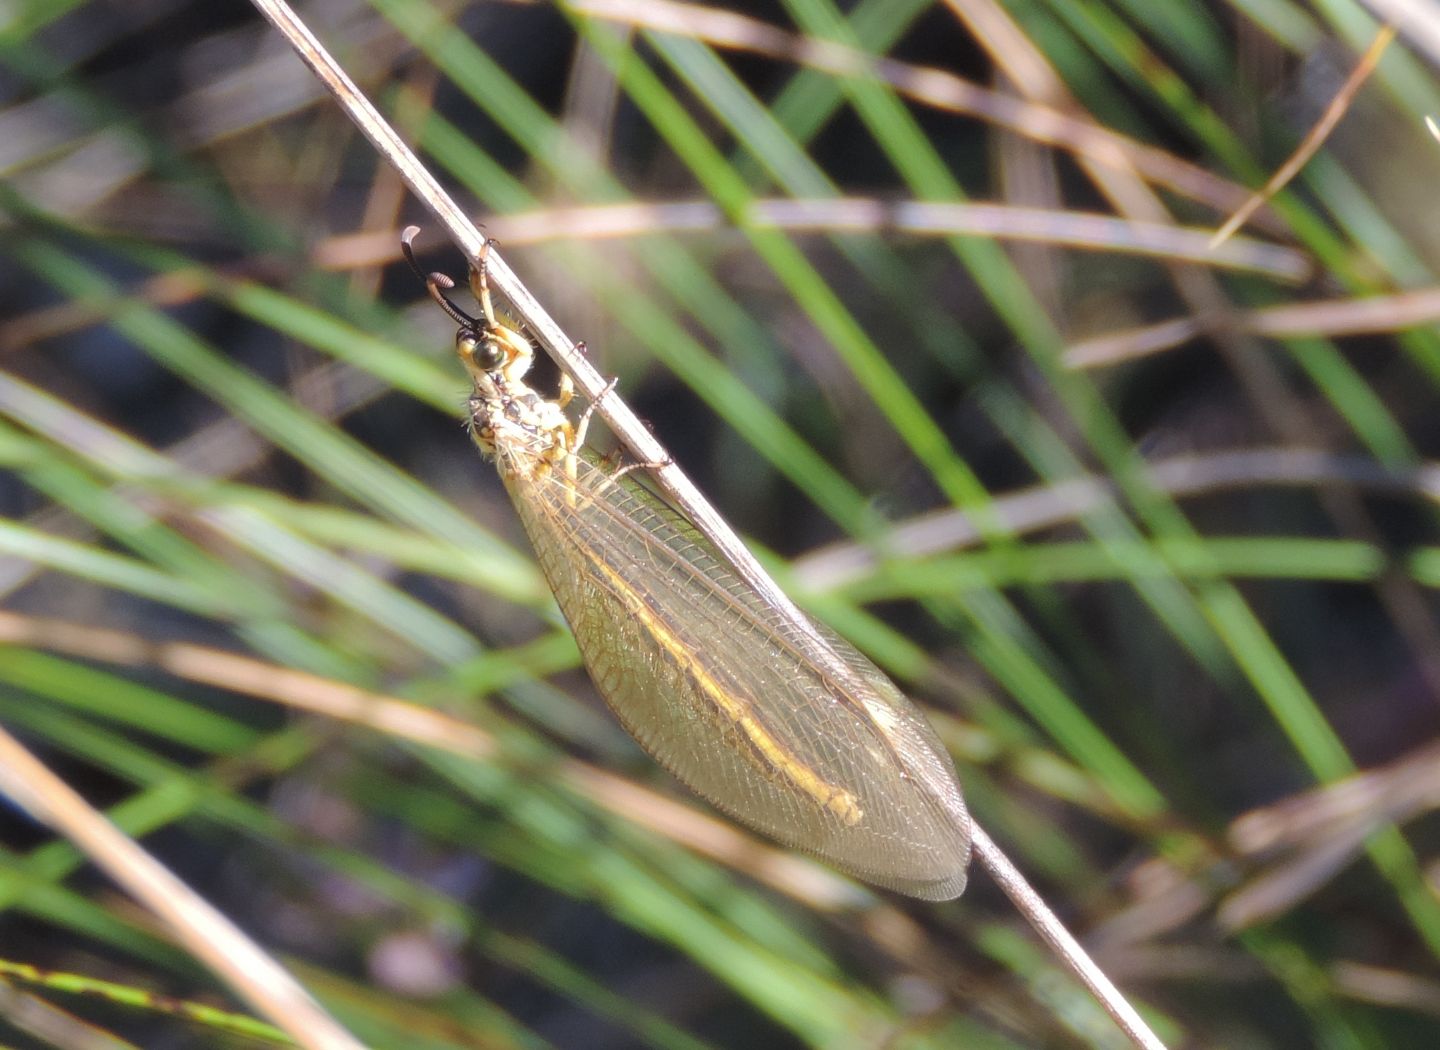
[773,718]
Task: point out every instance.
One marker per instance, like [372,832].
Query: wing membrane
[784,726]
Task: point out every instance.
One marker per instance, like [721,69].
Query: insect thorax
[519,427]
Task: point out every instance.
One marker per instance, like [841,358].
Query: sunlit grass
[1129,636]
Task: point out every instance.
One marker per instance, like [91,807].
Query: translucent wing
[783,725]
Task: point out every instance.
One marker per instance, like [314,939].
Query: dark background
[1146,699]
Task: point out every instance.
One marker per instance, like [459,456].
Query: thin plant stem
[1053,932]
[206,933]
[647,450]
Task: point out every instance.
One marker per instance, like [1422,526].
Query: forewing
[783,725]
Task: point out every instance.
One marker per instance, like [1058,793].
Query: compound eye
[482,351]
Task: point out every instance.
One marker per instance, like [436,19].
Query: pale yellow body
[778,722]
